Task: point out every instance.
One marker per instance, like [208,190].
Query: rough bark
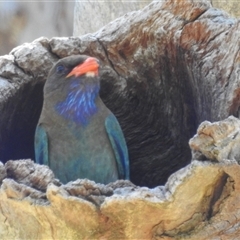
[217,141]
[165,69]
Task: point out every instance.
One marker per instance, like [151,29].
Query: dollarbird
[77,136]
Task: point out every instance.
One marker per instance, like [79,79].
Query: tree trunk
[165,69]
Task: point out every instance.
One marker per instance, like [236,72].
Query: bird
[77,136]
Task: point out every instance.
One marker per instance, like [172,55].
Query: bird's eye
[60,69]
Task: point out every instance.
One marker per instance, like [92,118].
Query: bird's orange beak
[89,66]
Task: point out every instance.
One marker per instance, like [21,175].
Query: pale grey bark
[90,16]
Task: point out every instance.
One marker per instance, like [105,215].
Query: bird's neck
[80,103]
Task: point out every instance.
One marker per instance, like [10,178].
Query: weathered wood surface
[200,201]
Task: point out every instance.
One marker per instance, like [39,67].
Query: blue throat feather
[79,104]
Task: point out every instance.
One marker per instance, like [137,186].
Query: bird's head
[72,88]
[80,69]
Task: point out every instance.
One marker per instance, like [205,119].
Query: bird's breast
[78,106]
[83,152]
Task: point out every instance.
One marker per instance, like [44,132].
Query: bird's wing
[41,146]
[119,146]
